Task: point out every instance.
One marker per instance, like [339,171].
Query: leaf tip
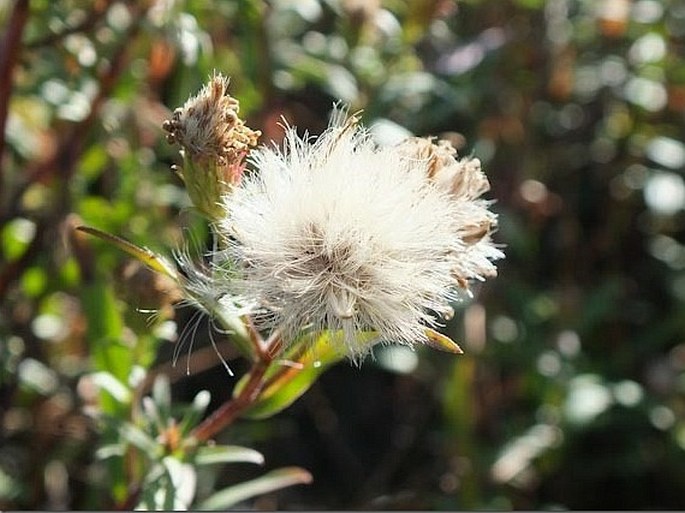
[437,340]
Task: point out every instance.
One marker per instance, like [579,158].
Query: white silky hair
[339,233]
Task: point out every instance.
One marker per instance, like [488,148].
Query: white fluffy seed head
[338,233]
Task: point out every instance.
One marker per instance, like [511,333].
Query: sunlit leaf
[36,376]
[274,480]
[183,481]
[110,384]
[15,237]
[195,411]
[137,437]
[228,454]
[437,340]
[161,393]
[110,451]
[157,493]
[146,256]
[152,412]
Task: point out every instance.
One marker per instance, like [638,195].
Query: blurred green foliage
[571,391]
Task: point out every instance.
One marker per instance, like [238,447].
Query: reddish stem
[232,409]
[227,413]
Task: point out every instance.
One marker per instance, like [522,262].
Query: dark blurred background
[571,393]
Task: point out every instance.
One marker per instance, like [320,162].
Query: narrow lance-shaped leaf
[183,482]
[109,383]
[210,455]
[274,480]
[105,329]
[140,439]
[161,394]
[152,413]
[110,451]
[437,340]
[157,492]
[146,256]
[195,411]
[160,264]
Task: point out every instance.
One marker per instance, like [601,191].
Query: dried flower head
[338,233]
[465,182]
[214,142]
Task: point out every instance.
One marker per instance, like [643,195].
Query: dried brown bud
[465,182]
[462,178]
[474,232]
[208,126]
[214,142]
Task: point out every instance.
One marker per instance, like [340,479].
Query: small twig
[9,53]
[230,410]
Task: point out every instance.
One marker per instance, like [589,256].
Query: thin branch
[232,409]
[9,54]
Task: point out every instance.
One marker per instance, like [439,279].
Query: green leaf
[291,376]
[274,480]
[442,342]
[104,335]
[104,320]
[227,454]
[146,256]
[182,483]
[93,161]
[161,394]
[137,437]
[156,490]
[110,451]
[195,411]
[110,384]
[34,281]
[152,413]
